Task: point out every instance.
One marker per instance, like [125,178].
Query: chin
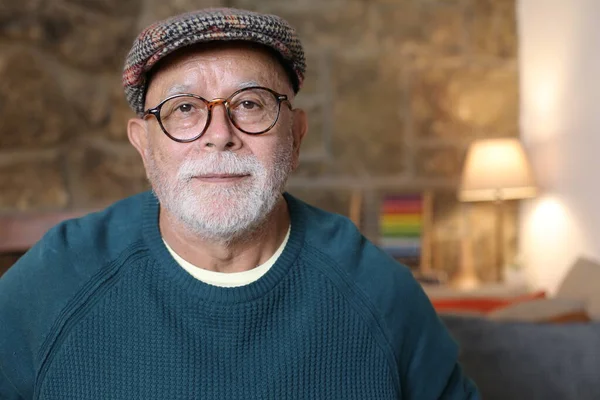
[222,213]
[223,227]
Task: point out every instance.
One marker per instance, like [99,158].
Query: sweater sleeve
[426,353]
[33,293]
[19,330]
[7,390]
[426,356]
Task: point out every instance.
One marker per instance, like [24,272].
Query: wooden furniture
[7,260]
[18,232]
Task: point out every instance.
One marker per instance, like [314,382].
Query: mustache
[220,163]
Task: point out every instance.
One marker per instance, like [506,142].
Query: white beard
[222,212]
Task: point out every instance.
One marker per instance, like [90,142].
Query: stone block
[355,25]
[314,141]
[369,119]
[335,200]
[464,101]
[156,10]
[311,168]
[119,114]
[417,27]
[88,97]
[19,20]
[278,4]
[429,3]
[314,98]
[317,79]
[439,162]
[99,104]
[492,28]
[32,184]
[103,176]
[87,39]
[74,28]
[111,7]
[34,112]
[329,25]
[362,125]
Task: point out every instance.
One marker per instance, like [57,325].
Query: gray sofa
[528,361]
[511,356]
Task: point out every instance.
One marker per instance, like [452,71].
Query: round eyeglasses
[185,117]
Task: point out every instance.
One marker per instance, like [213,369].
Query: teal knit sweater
[98,309]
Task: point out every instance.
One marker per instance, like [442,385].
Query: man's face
[226,182]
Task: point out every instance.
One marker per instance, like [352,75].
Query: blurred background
[395,91]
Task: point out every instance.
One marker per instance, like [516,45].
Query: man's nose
[220,135]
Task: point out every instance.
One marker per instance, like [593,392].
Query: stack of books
[401,227]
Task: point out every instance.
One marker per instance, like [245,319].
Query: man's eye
[249,105]
[185,108]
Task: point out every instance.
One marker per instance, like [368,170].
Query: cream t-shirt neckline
[233,279]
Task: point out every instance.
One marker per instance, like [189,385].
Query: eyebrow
[246,84]
[177,89]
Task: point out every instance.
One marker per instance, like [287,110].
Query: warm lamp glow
[496,169]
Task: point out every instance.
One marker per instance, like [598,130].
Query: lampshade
[496,169]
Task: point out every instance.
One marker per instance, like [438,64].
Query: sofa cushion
[583,283]
[525,361]
[543,310]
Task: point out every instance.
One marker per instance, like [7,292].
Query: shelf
[18,232]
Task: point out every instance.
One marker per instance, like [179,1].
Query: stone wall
[396,91]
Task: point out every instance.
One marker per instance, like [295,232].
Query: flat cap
[209,25]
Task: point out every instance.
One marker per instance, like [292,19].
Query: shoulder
[336,241]
[77,246]
[382,290]
[36,290]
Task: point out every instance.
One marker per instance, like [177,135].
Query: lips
[221,177]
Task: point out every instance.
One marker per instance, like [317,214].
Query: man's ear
[137,132]
[299,129]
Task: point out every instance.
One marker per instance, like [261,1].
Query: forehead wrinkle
[193,71]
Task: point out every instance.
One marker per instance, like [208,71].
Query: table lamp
[494,170]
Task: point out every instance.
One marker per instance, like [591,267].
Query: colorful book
[401,225]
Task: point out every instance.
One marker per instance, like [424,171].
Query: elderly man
[217,284]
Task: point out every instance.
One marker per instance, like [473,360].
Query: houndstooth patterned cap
[207,25]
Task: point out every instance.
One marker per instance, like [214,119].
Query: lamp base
[465,281]
[466,278]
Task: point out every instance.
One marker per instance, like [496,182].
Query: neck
[242,254]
